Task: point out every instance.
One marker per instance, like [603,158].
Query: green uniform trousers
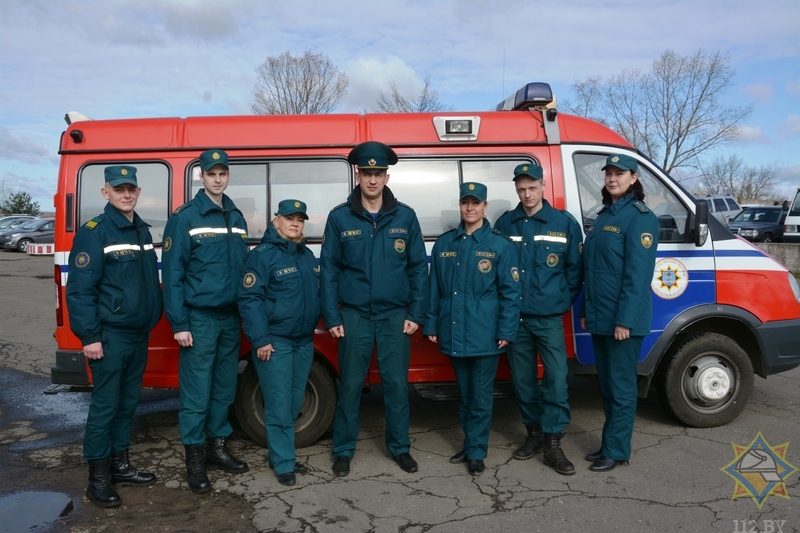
[617,374]
[475,377]
[547,405]
[207,372]
[283,383]
[117,379]
[355,353]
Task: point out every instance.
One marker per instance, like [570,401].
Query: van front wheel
[706,380]
[316,411]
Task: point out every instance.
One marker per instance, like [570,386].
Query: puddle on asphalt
[32,511]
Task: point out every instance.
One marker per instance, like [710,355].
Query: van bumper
[792,238]
[70,369]
[781,343]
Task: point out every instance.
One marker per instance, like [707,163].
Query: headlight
[15,235]
[749,233]
[795,287]
[790,229]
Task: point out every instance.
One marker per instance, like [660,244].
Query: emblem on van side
[670,279]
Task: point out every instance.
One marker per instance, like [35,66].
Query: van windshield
[755,214]
[795,211]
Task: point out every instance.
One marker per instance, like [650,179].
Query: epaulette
[569,216]
[178,210]
[261,248]
[339,206]
[94,222]
[640,205]
[503,235]
[404,205]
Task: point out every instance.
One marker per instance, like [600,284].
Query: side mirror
[700,223]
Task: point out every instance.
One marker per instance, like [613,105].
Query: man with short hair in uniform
[114,300]
[549,244]
[373,264]
[205,243]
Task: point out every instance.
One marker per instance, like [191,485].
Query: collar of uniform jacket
[479,234]
[542,214]
[207,205]
[389,202]
[121,220]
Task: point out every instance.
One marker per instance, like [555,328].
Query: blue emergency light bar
[533,94]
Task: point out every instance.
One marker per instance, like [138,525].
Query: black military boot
[534,443]
[196,470]
[554,456]
[124,474]
[217,455]
[100,490]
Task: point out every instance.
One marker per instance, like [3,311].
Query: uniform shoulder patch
[94,222]
[178,210]
[640,205]
[501,234]
[569,216]
[261,248]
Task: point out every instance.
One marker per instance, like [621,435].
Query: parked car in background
[722,207]
[760,223]
[38,230]
[791,226]
[13,222]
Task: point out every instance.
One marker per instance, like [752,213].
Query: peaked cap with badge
[290,207]
[528,170]
[372,156]
[622,162]
[120,174]
[474,189]
[210,158]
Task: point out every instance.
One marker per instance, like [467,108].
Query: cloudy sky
[140,58]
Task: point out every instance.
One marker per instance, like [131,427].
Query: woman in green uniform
[279,304]
[473,314]
[619,257]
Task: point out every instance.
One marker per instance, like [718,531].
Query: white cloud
[761,92]
[20,148]
[370,76]
[793,87]
[790,127]
[749,134]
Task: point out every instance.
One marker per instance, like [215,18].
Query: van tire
[316,411]
[705,380]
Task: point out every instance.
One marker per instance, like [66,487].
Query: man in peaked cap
[112,261]
[205,242]
[373,292]
[549,244]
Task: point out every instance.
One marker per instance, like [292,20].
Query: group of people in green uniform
[486,291]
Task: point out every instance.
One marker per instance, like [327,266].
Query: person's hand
[337,332]
[621,333]
[265,352]
[410,327]
[94,350]
[502,343]
[184,338]
[583,323]
[433,338]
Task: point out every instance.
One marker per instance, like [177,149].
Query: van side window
[719,204]
[732,205]
[153,203]
[322,185]
[672,215]
[436,204]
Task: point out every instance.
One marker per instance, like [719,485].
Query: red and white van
[723,310]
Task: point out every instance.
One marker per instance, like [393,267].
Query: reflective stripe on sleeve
[550,238]
[196,231]
[119,247]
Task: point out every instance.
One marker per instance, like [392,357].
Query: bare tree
[673,113]
[307,84]
[729,175]
[395,102]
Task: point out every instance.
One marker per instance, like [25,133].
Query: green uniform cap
[528,170]
[372,156]
[474,189]
[120,174]
[622,162]
[290,207]
[209,158]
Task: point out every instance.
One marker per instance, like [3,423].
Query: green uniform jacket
[474,292]
[279,292]
[549,246]
[113,277]
[375,268]
[619,256]
[202,259]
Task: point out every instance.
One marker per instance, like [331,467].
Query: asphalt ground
[675,481]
